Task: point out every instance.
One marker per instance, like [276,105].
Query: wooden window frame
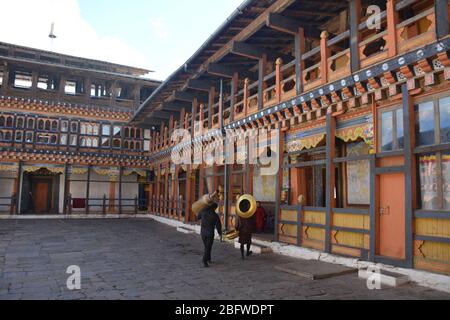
[393,109]
[435,99]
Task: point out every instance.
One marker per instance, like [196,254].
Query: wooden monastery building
[361,101]
[66,144]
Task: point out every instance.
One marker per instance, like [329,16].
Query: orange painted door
[391,212]
[41,197]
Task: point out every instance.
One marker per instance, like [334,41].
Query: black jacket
[210,221]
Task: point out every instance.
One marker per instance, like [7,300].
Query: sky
[158,35]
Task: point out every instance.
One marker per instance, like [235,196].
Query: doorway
[391,215]
[40,192]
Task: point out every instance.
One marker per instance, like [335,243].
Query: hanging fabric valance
[9,167]
[54,170]
[78,170]
[113,173]
[309,142]
[352,134]
[139,172]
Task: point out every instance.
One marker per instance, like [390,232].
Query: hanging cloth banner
[299,142]
[353,130]
[9,167]
[113,173]
[36,168]
[139,172]
[78,170]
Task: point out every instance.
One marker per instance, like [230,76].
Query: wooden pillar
[392,21]
[66,187]
[442,27]
[324,55]
[299,63]
[330,179]
[221,105]
[158,190]
[120,189]
[188,194]
[5,81]
[355,35]
[410,172]
[88,188]
[211,98]
[246,95]
[166,190]
[234,91]
[112,196]
[261,73]
[17,185]
[278,79]
[87,89]
[62,87]
[137,97]
[34,82]
[279,184]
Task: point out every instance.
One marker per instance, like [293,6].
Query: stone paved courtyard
[141,259]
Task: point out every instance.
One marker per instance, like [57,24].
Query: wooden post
[221,105]
[87,89]
[410,172]
[166,190]
[18,182]
[279,80]
[279,184]
[299,63]
[261,73]
[392,21]
[246,95]
[88,190]
[158,189]
[355,36]
[442,28]
[330,178]
[234,91]
[211,98]
[66,187]
[112,196]
[5,81]
[137,96]
[324,55]
[188,194]
[104,205]
[120,189]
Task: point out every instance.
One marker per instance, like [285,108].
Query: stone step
[185,230]
[315,270]
[386,278]
[256,248]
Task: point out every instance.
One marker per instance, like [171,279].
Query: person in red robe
[261,217]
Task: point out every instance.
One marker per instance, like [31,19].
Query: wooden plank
[442,26]
[257,24]
[355,36]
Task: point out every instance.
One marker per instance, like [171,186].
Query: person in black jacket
[210,221]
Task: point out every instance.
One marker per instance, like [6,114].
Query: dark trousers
[208,242]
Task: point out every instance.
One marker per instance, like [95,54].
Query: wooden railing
[331,61]
[106,206]
[8,204]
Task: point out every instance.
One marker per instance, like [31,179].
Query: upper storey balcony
[268,53]
[36,74]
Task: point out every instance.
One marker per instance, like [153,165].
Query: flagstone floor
[141,259]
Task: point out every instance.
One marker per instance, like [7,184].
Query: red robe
[261,217]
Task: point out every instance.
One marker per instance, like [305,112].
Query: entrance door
[391,210]
[41,197]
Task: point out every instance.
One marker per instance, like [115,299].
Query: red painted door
[391,212]
[41,197]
